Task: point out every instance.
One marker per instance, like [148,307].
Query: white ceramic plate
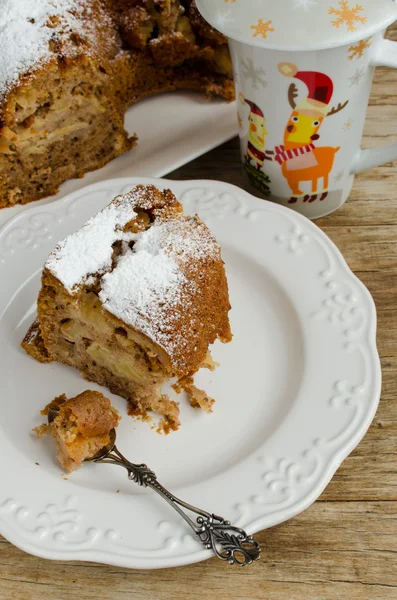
[295,391]
[172,128]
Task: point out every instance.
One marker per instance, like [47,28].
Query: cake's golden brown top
[90,413]
[154,269]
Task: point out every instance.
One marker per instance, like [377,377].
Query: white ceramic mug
[301,98]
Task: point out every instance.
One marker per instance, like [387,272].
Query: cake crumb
[164,427]
[198,398]
[41,430]
[117,491]
[139,414]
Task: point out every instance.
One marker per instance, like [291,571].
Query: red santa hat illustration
[319,85]
[254,108]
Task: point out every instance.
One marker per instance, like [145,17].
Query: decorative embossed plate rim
[331,411]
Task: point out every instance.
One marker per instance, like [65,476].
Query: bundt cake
[70,68]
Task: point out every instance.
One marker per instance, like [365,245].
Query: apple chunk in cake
[135,298]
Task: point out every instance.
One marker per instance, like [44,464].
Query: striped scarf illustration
[282,155]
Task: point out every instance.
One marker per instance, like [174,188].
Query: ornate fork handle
[229,543]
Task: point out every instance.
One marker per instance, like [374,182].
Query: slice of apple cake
[135,298]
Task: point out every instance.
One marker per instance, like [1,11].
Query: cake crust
[33,343]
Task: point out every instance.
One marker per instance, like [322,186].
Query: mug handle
[384,56]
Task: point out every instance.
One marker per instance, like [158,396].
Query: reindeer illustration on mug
[299,157]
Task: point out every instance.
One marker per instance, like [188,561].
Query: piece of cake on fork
[80,427]
[134,299]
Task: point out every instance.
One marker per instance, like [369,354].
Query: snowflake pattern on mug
[356,78]
[347,15]
[256,76]
[223,19]
[339,176]
[305,4]
[262,28]
[347,124]
[358,50]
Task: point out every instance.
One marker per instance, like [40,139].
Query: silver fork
[229,543]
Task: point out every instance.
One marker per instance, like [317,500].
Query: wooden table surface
[345,545]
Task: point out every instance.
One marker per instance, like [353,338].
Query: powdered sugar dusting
[184,238]
[148,288]
[144,290]
[89,250]
[28,26]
